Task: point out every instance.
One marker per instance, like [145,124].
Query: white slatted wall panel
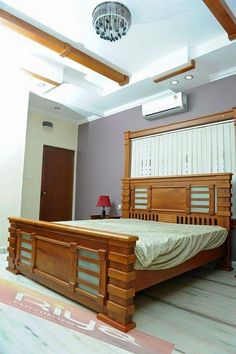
[204,149]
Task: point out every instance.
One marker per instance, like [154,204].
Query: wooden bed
[60,256]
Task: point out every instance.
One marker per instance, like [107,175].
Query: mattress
[160,245]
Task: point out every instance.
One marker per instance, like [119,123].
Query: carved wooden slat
[87,271]
[90,260]
[119,275]
[73,270]
[26,258]
[119,311]
[10,250]
[102,296]
[167,218]
[122,293]
[121,258]
[188,198]
[18,241]
[33,251]
[88,284]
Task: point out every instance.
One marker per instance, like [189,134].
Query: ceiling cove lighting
[174,82]
[111,20]
[188,77]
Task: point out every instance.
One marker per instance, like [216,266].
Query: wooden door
[57,184]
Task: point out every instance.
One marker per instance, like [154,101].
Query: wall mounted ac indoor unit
[165,106]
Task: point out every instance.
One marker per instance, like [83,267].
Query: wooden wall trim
[194,177]
[224,16]
[188,67]
[62,48]
[218,117]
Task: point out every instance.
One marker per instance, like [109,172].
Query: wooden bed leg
[225,262]
[115,324]
[14,271]
[121,274]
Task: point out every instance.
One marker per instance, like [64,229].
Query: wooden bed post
[127,157]
[234,113]
[12,240]
[127,168]
[126,198]
[121,274]
[224,195]
[225,263]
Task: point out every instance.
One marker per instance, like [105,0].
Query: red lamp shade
[103,201]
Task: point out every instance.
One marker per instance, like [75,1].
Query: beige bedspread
[161,245]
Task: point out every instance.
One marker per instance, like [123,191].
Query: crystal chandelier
[111,20]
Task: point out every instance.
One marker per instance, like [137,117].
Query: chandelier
[111,20]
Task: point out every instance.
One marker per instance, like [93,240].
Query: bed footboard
[94,268]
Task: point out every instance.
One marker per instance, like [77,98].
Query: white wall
[63,134]
[13,113]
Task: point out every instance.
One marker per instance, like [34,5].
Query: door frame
[74,177]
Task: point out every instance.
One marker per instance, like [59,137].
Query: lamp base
[103,215]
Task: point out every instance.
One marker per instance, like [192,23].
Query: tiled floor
[196,311]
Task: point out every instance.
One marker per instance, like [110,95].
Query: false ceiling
[163,40]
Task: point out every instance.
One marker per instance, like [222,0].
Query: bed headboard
[203,199]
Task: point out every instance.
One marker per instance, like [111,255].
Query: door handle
[43,193]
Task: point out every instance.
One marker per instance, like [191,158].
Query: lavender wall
[100,149]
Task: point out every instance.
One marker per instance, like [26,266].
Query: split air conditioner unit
[165,106]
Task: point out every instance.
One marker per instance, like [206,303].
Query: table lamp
[103,201]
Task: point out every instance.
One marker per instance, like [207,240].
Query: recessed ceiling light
[188,77]
[41,84]
[174,82]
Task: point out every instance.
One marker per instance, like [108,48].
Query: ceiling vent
[165,106]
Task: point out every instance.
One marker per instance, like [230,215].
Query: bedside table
[107,217]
